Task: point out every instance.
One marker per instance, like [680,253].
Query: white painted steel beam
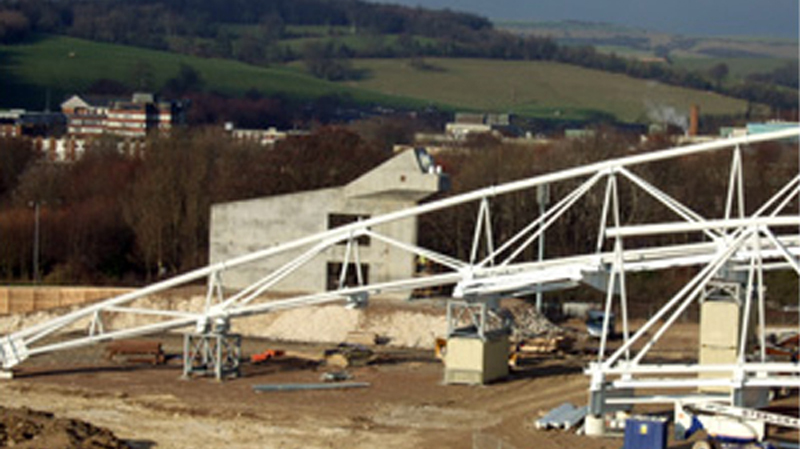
[681,227]
[475,279]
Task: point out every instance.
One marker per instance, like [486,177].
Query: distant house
[755,128]
[579,133]
[771,126]
[653,60]
[9,123]
[85,117]
[264,137]
[64,149]
[466,124]
[19,122]
[72,148]
[138,117]
[241,227]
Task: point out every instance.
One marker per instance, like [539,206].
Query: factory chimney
[694,117]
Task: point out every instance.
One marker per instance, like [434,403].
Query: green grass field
[541,89]
[66,65]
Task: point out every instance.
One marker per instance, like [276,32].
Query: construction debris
[347,355]
[266,355]
[526,322]
[136,351]
[335,376]
[27,428]
[362,338]
[784,346]
[304,387]
[545,345]
[548,420]
[575,418]
[315,357]
[565,416]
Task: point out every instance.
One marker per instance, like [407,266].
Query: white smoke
[660,113]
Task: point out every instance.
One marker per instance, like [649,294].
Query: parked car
[594,323]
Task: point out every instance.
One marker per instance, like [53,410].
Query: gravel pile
[28,429]
[526,322]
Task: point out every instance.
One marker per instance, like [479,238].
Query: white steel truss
[765,239]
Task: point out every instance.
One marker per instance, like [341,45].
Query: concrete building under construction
[243,226]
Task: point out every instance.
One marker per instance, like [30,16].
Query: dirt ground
[405,406]
[29,429]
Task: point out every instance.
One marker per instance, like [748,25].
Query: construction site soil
[406,405]
[25,428]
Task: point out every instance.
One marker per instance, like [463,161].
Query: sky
[761,18]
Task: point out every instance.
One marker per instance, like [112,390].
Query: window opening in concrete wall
[350,279]
[337,220]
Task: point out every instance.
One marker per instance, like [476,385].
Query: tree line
[153,23]
[116,218]
[111,218]
[255,32]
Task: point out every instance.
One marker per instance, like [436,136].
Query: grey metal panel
[318,386]
[554,416]
[575,417]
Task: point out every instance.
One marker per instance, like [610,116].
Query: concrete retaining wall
[15,300]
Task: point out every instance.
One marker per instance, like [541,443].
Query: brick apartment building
[138,117]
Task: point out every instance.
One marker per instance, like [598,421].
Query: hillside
[744,55]
[65,65]
[536,88]
[328,38]
[604,35]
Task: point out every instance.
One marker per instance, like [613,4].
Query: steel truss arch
[765,239]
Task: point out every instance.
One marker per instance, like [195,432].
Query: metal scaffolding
[216,354]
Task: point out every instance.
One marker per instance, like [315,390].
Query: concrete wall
[242,227]
[408,177]
[15,300]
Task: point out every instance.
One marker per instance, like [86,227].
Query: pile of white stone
[526,322]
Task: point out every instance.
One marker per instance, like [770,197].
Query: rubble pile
[526,322]
[27,429]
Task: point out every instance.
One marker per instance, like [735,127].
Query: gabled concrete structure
[409,176]
[241,227]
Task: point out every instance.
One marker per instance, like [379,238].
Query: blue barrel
[645,432]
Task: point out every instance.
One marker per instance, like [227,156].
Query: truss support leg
[216,354]
[738,399]
[595,419]
[600,391]
[595,424]
[597,402]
